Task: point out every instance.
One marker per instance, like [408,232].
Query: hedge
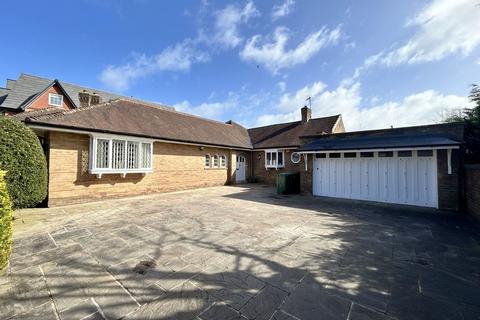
[22,157]
[6,215]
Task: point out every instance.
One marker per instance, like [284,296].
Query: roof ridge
[172,109]
[291,122]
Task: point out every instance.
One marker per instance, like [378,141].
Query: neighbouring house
[102,145]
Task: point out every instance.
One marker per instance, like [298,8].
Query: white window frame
[223,165]
[209,161]
[213,161]
[50,95]
[122,171]
[271,163]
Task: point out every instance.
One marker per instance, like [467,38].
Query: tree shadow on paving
[315,265]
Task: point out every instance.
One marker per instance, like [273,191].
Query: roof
[379,142]
[127,117]
[27,87]
[288,134]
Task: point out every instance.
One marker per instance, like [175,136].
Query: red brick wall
[42,101]
[472,189]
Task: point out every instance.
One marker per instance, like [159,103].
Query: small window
[295,157]
[334,155]
[55,100]
[274,159]
[407,153]
[385,154]
[366,154]
[223,161]
[320,155]
[215,161]
[350,155]
[425,153]
[207,161]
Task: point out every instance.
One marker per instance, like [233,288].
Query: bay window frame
[125,170]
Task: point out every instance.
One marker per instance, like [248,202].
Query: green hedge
[22,157]
[6,215]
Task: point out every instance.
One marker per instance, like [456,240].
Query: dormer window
[55,100]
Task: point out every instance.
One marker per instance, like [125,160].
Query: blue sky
[378,63]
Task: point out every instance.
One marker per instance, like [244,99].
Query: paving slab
[241,252]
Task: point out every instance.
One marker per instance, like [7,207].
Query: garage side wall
[472,189]
[175,167]
[448,184]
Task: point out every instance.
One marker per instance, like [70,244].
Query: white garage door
[404,177]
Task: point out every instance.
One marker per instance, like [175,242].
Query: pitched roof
[288,134]
[26,88]
[379,142]
[127,117]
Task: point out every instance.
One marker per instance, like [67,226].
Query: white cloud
[227,22]
[420,108]
[282,85]
[274,54]
[443,27]
[210,110]
[179,57]
[283,9]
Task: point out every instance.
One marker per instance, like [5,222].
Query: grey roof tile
[27,87]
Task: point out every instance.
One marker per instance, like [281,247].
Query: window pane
[320,155]
[334,155]
[280,158]
[132,155]
[118,154]
[425,153]
[207,160]
[55,99]
[274,158]
[366,154]
[215,161]
[385,154]
[350,155]
[102,154]
[146,155]
[269,158]
[223,161]
[406,153]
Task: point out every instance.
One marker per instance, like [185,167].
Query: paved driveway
[241,253]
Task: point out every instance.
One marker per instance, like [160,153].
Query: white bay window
[274,158]
[113,154]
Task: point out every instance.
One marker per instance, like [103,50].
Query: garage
[391,169]
[404,177]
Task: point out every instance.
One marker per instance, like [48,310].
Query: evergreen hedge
[6,215]
[22,157]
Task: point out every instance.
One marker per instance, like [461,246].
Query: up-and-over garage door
[403,177]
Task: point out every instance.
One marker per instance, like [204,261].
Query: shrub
[22,157]
[6,215]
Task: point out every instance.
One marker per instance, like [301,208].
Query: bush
[6,215]
[22,157]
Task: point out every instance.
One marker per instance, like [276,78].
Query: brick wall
[269,175]
[472,189]
[175,167]
[42,101]
[448,184]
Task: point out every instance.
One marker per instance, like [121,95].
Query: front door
[240,174]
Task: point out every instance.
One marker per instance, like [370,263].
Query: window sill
[123,173]
[225,168]
[275,167]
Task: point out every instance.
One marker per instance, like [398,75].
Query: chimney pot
[306,114]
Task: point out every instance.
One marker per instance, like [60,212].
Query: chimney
[84,98]
[95,99]
[306,114]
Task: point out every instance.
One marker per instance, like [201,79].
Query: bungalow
[124,146]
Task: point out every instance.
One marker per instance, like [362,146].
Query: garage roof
[379,142]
